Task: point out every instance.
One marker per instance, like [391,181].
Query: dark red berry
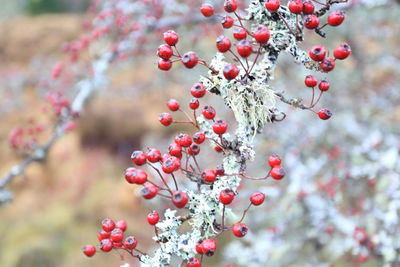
[153,217]
[180,199]
[310,81]
[193,262]
[183,140]
[106,245]
[324,114]
[336,18]
[153,155]
[164,51]
[207,10]
[317,53]
[311,22]
[296,6]
[342,51]
[240,229]
[194,149]
[108,225]
[272,5]
[209,112]
[164,64]
[226,196]
[230,6]
[230,71]
[121,224]
[138,157]
[171,37]
[220,170]
[208,175]
[165,119]
[239,34]
[198,90]
[175,150]
[190,59]
[194,103]
[209,246]
[262,34]
[277,172]
[220,127]
[308,7]
[130,242]
[89,250]
[227,22]
[149,191]
[244,48]
[324,85]
[117,235]
[173,104]
[223,43]
[199,137]
[327,64]
[274,160]
[257,198]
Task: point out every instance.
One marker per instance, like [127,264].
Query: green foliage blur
[36,7]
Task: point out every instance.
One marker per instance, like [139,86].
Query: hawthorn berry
[311,22]
[190,59]
[198,90]
[164,64]
[324,114]
[230,71]
[171,37]
[207,10]
[180,199]
[227,22]
[240,229]
[230,6]
[121,224]
[223,43]
[117,244]
[194,103]
[199,137]
[277,172]
[336,18]
[220,127]
[209,246]
[130,242]
[308,7]
[262,34]
[153,155]
[327,64]
[208,175]
[239,33]
[149,191]
[183,140]
[226,196]
[117,235]
[138,157]
[175,150]
[135,176]
[274,160]
[324,85]
[106,245]
[164,51]
[209,112]
[173,105]
[199,247]
[272,5]
[193,149]
[220,170]
[165,119]
[103,235]
[153,217]
[108,225]
[89,250]
[296,6]
[310,81]
[218,148]
[193,262]
[244,48]
[257,198]
[342,51]
[317,53]
[170,164]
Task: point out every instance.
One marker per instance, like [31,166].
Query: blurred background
[343,177]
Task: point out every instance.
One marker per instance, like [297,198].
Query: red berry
[183,140]
[198,90]
[272,5]
[153,155]
[165,119]
[324,85]
[342,51]
[135,176]
[117,244]
[208,175]
[218,149]
[310,81]
[336,18]
[311,22]
[175,150]
[240,229]
[164,64]
[308,7]
[227,22]
[274,160]
[262,34]
[199,137]
[220,127]
[108,225]
[194,149]
[207,10]
[324,114]
[106,245]
[180,199]
[153,217]
[89,250]
[209,246]
[164,51]
[317,53]
[190,59]
[149,191]
[327,64]
[117,235]
[230,71]
[209,112]
[226,196]
[230,6]
[103,235]
[170,164]
[257,198]
[239,34]
[171,37]
[173,104]
[193,262]
[296,6]
[130,242]
[194,103]
[138,157]
[121,224]
[199,247]
[223,43]
[220,170]
[244,48]
[277,172]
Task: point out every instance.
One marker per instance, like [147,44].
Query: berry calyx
[130,242]
[310,81]
[272,5]
[164,64]
[208,175]
[244,48]
[230,71]
[180,199]
[324,114]
[89,250]
[220,127]
[324,85]
[165,119]
[327,64]
[173,105]
[239,33]
[198,90]
[209,112]
[193,262]
[223,43]
[207,10]
[106,245]
[296,6]
[209,246]
[230,6]
[108,225]
[336,18]
[164,51]
[226,196]
[342,51]
[227,22]
[277,172]
[171,37]
[257,198]
[190,59]
[194,149]
[262,34]
[153,217]
[199,137]
[274,160]
[317,53]
[240,229]
[138,157]
[149,191]
[194,103]
[311,22]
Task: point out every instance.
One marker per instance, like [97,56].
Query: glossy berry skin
[153,155]
[199,137]
[274,160]
[272,5]
[244,48]
[239,34]
[175,150]
[108,225]
[170,164]
[327,64]
[207,10]
[117,235]
[230,71]
[230,6]
[209,112]
[257,198]
[173,105]
[317,53]
[106,245]
[220,170]
[198,90]
[209,246]
[121,224]
[324,114]
[164,51]
[165,119]
[164,64]
[180,199]
[190,59]
[183,140]
[296,6]
[227,22]
[336,18]
[194,149]
[223,43]
[342,51]
[130,242]
[193,262]
[149,191]
[208,175]
[308,7]
[220,127]
[240,229]
[226,196]
[194,103]
[262,34]
[310,81]
[89,250]
[277,172]
[311,22]
[324,85]
[103,235]
[138,157]
[171,38]
[135,176]
[153,218]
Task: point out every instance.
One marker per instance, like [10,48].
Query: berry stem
[245,211]
[161,176]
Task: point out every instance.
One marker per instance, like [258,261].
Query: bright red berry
[218,148]
[194,103]
[239,33]
[153,217]
[226,196]
[103,235]
[199,247]
[308,7]
[165,119]
[171,37]
[190,59]
[277,172]
[310,81]
[272,5]
[117,245]
[117,235]
[327,64]
[175,150]
[317,53]
[194,149]
[220,127]
[230,6]
[106,245]
[223,43]
[138,157]
[198,90]
[173,104]
[121,224]
[324,85]
[130,242]
[183,139]
[209,112]
[240,229]
[89,250]
[262,34]
[164,51]
[230,71]
[208,175]
[164,64]
[311,22]
[135,176]
[324,114]
[108,225]
[296,6]
[342,51]
[244,48]
[274,160]
[227,22]
[170,164]
[193,262]
[199,137]
[207,10]
[180,199]
[209,246]
[257,198]
[336,18]
[149,191]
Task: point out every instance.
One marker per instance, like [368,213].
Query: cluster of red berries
[318,53]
